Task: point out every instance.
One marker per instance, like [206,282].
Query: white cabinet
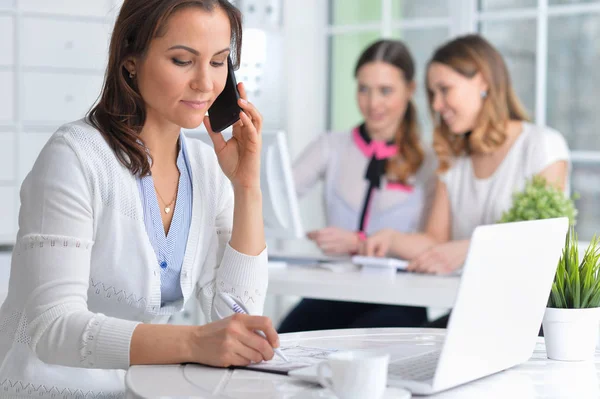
[7,27]
[7,96]
[65,97]
[66,44]
[52,60]
[69,7]
[7,157]
[8,214]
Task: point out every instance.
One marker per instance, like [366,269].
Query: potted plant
[572,318]
[573,313]
[540,200]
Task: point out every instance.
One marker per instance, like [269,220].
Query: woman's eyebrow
[194,51]
[222,51]
[179,46]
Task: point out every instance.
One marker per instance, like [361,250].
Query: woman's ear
[483,85]
[130,65]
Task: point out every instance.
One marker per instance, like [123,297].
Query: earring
[484,94]
[131,75]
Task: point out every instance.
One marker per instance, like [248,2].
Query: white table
[356,285]
[537,378]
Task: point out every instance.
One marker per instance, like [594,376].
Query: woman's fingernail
[243,101]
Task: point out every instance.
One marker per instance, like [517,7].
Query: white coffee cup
[355,374]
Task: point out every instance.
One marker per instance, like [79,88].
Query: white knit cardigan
[84,273]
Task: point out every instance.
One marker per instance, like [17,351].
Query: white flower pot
[571,334]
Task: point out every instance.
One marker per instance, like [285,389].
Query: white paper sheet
[298,356]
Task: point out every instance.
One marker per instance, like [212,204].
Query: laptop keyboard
[418,368]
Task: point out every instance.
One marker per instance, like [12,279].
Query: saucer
[323,393]
[396,393]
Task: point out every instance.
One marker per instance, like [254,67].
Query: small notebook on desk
[301,259]
[301,252]
[387,263]
[393,264]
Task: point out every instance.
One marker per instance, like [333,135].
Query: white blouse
[475,201]
[341,161]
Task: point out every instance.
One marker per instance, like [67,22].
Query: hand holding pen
[230,341]
[240,309]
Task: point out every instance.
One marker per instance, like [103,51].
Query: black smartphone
[225,110]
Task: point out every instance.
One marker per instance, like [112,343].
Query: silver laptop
[499,308]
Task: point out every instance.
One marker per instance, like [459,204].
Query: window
[551,48]
[353,25]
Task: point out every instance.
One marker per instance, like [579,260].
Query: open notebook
[299,357]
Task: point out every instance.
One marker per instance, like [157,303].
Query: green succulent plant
[577,284]
[540,200]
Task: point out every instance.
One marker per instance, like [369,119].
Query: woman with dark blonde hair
[486,148]
[124,219]
[378,175]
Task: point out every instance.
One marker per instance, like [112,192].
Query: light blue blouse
[169,248]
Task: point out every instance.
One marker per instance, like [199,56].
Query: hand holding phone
[239,156]
[225,110]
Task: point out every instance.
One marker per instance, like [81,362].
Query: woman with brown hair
[123,217]
[486,148]
[377,175]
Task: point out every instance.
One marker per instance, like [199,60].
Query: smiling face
[455,97]
[383,95]
[185,69]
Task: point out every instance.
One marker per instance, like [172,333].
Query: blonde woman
[486,148]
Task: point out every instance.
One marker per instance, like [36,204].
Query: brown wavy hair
[121,113]
[410,151]
[469,55]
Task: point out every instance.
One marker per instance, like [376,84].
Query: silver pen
[237,308]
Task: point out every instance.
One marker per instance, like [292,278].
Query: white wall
[305,53]
[305,87]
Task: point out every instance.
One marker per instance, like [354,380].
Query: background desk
[537,378]
[289,283]
[397,289]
